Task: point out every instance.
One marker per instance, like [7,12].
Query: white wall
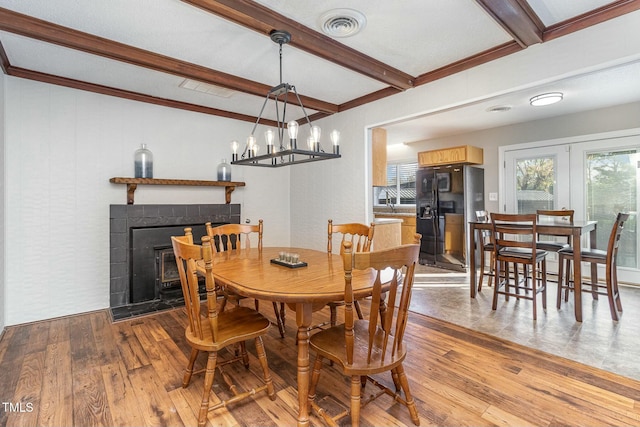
[3,299]
[341,189]
[62,146]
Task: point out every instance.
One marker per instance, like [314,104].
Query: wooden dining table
[551,227]
[250,273]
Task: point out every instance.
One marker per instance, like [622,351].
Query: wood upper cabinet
[466,154]
[379,157]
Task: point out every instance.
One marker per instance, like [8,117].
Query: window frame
[396,203]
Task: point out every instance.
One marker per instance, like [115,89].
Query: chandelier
[280,152]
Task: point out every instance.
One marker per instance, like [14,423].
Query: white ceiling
[414,37]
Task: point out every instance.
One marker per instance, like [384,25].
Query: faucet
[391,205]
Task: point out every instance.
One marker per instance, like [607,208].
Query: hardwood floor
[85,370]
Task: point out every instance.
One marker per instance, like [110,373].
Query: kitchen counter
[379,221]
[387,233]
[408,226]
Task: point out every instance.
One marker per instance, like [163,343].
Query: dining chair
[514,239]
[549,243]
[487,248]
[231,237]
[211,331]
[360,348]
[596,256]
[361,237]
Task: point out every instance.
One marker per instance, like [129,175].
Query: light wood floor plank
[90,371]
[56,398]
[120,395]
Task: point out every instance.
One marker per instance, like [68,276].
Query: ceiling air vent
[342,22]
[206,88]
[499,109]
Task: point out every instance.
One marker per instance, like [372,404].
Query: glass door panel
[612,187]
[535,180]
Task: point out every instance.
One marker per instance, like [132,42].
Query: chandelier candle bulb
[251,144]
[292,129]
[234,151]
[269,137]
[335,140]
[315,135]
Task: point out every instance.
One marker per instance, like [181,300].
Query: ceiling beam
[517,18]
[593,17]
[263,20]
[27,26]
[468,63]
[126,94]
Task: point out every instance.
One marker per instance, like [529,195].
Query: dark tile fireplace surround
[138,233]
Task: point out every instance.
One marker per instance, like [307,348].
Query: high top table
[551,227]
[250,273]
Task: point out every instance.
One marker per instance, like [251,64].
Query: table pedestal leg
[303,320]
[577,277]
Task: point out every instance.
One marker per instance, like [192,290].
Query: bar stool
[487,248]
[514,238]
[596,256]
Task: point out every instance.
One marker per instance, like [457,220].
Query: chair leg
[245,355]
[569,285]
[356,304]
[411,404]
[334,314]
[560,281]
[189,371]
[355,400]
[208,382]
[266,374]
[315,376]
[496,286]
[481,276]
[491,272]
[279,317]
[544,284]
[534,288]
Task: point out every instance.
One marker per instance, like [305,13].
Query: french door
[596,178]
[537,178]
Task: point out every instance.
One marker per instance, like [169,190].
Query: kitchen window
[401,186]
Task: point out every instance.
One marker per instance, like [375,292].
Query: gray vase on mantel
[143,162]
[224,171]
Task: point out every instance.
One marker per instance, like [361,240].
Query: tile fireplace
[139,236]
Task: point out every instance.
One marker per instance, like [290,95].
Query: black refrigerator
[447,197]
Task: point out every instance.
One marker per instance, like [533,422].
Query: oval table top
[250,273]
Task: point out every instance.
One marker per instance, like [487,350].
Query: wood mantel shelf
[132,184]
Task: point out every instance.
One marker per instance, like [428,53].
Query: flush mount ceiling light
[546,99]
[284,153]
[342,22]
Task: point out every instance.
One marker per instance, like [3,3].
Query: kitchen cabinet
[379,157]
[465,154]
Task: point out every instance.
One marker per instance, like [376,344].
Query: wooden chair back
[231,236]
[360,236]
[562,214]
[514,236]
[386,335]
[187,256]
[614,239]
